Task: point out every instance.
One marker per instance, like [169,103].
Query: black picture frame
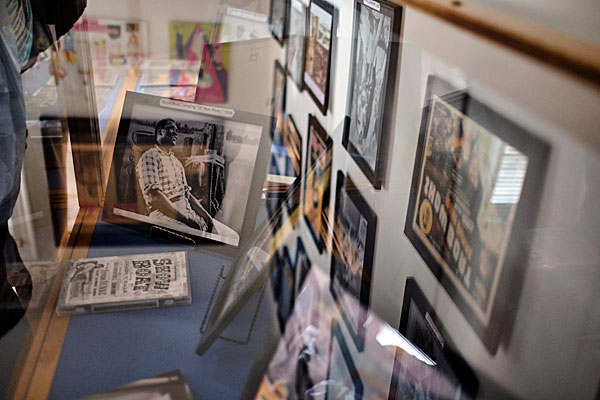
[420,325]
[317,181]
[124,203]
[346,365]
[371,86]
[286,289]
[278,104]
[462,143]
[278,19]
[302,265]
[317,63]
[296,46]
[286,163]
[354,227]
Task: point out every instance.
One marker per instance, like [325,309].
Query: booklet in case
[105,284]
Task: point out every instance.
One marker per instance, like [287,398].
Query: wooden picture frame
[469,225]
[420,325]
[317,182]
[317,63]
[354,234]
[375,48]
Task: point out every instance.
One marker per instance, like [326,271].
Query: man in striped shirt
[162,180]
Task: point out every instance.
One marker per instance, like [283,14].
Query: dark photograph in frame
[376,32]
[474,191]
[419,323]
[188,169]
[353,247]
[278,19]
[317,182]
[287,276]
[302,264]
[343,379]
[296,46]
[317,63]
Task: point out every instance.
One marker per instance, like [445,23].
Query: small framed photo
[317,63]
[190,170]
[343,379]
[296,45]
[354,230]
[376,33]
[420,325]
[473,200]
[286,275]
[317,181]
[302,265]
[278,19]
[278,105]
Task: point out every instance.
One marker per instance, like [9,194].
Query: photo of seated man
[161,177]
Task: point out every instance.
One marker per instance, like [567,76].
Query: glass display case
[279,199]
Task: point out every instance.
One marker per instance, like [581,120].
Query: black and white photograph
[278,18]
[353,247]
[374,54]
[296,41]
[186,168]
[420,324]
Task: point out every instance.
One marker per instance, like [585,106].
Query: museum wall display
[340,199]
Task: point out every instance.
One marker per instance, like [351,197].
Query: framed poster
[420,325]
[354,230]
[187,39]
[278,19]
[343,380]
[295,51]
[476,179]
[317,64]
[376,32]
[191,170]
[317,181]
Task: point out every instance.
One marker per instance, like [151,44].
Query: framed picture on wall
[278,19]
[186,169]
[296,42]
[376,32]
[343,379]
[419,324]
[475,185]
[317,181]
[302,265]
[278,105]
[354,230]
[317,64]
